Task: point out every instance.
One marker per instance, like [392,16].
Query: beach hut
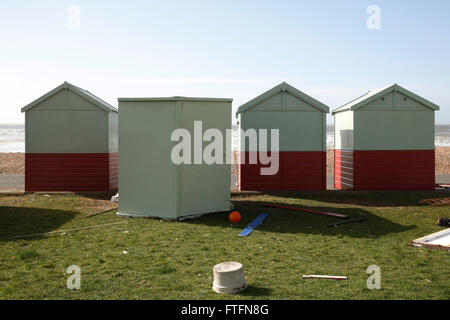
[301,121]
[163,170]
[384,140]
[70,142]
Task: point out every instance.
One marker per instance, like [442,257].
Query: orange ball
[234,217]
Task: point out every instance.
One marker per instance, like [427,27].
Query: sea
[12,137]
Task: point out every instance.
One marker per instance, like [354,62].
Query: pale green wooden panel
[66,130]
[272,103]
[205,188]
[113,132]
[403,102]
[380,104]
[393,130]
[77,100]
[281,101]
[298,130]
[58,99]
[147,184]
[394,102]
[291,102]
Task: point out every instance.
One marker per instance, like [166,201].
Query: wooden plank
[70,172]
[252,225]
[394,170]
[345,222]
[438,240]
[246,232]
[343,169]
[100,212]
[313,276]
[436,202]
[298,170]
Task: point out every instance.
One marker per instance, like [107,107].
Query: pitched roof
[283,87]
[84,93]
[375,94]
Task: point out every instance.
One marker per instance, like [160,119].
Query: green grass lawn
[174,260]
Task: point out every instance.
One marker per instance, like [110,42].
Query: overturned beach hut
[384,140]
[164,167]
[301,121]
[70,142]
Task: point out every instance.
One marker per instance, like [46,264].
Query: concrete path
[12,182]
[443,178]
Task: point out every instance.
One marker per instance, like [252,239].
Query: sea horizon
[12,137]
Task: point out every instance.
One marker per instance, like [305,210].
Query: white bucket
[115,198]
[229,278]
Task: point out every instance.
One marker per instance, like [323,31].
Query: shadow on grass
[253,291]
[98,195]
[17,221]
[288,221]
[360,198]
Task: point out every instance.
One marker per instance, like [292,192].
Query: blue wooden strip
[246,232]
[256,222]
[261,217]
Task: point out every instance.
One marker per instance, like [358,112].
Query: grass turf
[174,260]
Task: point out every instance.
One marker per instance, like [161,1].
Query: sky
[223,49]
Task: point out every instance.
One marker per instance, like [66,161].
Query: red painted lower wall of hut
[298,171]
[387,169]
[343,169]
[71,171]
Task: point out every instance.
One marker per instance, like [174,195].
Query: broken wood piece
[436,202]
[345,222]
[438,240]
[63,231]
[331,214]
[313,276]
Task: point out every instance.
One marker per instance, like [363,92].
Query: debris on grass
[331,214]
[100,212]
[436,202]
[345,222]
[249,229]
[314,276]
[438,240]
[444,222]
